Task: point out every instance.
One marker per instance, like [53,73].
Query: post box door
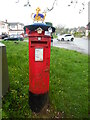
[39,65]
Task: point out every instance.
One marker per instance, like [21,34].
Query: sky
[60,15]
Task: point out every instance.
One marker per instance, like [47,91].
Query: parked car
[14,37]
[3,36]
[66,37]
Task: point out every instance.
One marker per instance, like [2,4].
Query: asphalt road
[79,44]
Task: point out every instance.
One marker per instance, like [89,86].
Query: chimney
[6,20]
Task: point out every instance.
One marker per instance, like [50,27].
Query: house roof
[3,22]
[15,23]
[12,23]
[82,29]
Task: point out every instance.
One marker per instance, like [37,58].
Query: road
[79,44]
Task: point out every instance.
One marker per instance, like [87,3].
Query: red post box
[39,63]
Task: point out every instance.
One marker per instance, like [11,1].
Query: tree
[60,29]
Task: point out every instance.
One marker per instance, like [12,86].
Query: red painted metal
[39,70]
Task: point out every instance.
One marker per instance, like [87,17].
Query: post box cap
[43,26]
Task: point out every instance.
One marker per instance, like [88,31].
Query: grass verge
[68,92]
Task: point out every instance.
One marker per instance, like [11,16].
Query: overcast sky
[60,15]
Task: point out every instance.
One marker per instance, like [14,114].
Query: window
[67,35]
[13,26]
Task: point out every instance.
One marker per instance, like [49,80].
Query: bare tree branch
[75,2]
[17,1]
[27,4]
[72,2]
[50,9]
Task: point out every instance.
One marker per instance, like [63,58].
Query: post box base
[37,101]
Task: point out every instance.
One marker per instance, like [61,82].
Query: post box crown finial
[38,16]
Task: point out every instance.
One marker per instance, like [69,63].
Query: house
[16,28]
[81,29]
[11,28]
[3,27]
[88,29]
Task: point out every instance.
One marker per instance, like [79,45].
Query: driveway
[79,44]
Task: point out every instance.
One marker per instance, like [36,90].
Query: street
[79,44]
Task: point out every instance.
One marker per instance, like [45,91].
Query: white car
[66,37]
